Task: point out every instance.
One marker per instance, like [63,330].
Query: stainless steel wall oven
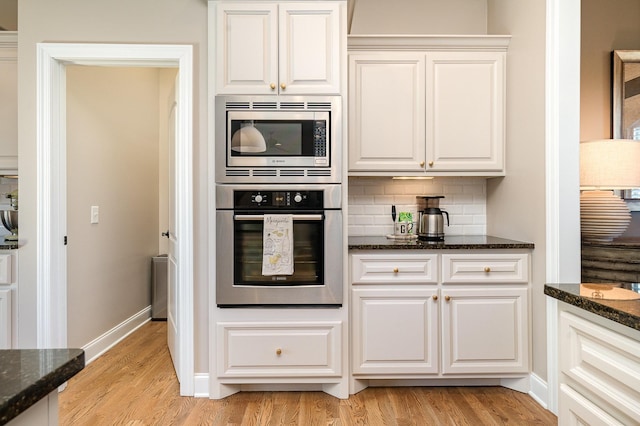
[314,213]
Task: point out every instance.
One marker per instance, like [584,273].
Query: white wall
[516,206]
[112,162]
[116,21]
[419,17]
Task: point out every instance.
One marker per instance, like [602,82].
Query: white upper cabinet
[387,112]
[9,104]
[427,105]
[277,48]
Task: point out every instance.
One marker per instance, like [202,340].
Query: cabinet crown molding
[398,42]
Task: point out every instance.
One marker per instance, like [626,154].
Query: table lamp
[606,165]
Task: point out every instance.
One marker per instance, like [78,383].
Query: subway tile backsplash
[370,201]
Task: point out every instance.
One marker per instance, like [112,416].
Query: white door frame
[52,59]
[562,166]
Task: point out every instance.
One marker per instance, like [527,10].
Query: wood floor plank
[134,384]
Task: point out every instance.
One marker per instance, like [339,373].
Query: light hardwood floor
[134,384]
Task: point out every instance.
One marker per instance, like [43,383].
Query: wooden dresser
[618,261]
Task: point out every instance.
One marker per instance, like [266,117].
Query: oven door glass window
[308,252]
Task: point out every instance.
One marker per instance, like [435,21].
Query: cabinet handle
[395,270]
[422,164]
[273,86]
[278,351]
[434,297]
[430,163]
[487,269]
[447,298]
[283,86]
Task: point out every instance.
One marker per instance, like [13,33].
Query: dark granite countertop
[28,375]
[469,242]
[625,312]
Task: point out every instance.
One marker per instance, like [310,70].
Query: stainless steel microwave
[278,139]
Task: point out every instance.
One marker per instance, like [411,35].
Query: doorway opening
[53,59]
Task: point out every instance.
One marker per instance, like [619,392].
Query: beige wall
[516,203]
[112,162]
[116,21]
[606,26]
[419,17]
[9,15]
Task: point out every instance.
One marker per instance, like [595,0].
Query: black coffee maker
[431,218]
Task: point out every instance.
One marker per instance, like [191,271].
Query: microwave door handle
[247,217]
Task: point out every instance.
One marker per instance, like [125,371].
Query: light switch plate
[95,214]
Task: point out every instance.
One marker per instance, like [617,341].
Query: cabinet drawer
[387,268]
[279,349]
[485,268]
[603,363]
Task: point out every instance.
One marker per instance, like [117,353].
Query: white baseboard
[101,344]
[201,385]
[539,391]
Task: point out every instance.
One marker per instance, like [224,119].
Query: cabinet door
[395,331]
[465,111]
[5,319]
[9,104]
[309,48]
[246,48]
[485,331]
[386,112]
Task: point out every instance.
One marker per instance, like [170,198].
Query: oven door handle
[243,217]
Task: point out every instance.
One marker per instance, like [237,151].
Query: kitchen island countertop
[29,375]
[625,312]
[453,242]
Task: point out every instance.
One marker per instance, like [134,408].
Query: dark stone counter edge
[28,397]
[621,317]
[439,246]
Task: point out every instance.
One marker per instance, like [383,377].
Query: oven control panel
[278,200]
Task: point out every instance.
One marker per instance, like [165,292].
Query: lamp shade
[606,165]
[610,164]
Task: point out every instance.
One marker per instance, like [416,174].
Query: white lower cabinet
[599,370]
[5,319]
[396,330]
[279,349]
[415,328]
[484,331]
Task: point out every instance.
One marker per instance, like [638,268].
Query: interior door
[173,326]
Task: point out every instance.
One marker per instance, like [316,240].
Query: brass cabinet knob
[487,269]
[430,163]
[434,297]
[422,164]
[283,86]
[447,298]
[395,270]
[273,86]
[278,351]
